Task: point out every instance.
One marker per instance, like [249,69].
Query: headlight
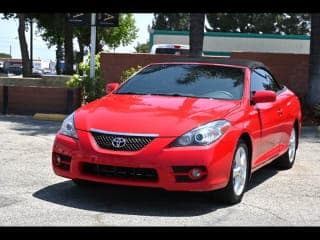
[203,135]
[68,128]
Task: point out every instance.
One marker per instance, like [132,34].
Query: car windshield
[188,80]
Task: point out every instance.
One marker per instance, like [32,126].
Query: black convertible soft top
[228,61]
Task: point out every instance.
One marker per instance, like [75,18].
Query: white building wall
[235,44]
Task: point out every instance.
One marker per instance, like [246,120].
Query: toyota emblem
[118,142]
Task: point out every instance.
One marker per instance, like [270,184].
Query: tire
[287,160]
[236,187]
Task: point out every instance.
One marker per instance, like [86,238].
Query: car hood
[164,115]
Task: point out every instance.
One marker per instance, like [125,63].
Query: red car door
[269,114]
[285,107]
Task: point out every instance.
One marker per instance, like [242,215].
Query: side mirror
[111,87]
[264,96]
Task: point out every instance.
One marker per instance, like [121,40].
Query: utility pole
[104,20]
[93,45]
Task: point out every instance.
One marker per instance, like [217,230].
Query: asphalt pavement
[32,195]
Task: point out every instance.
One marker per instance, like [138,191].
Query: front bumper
[83,159]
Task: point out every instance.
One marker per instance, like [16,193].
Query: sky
[9,38]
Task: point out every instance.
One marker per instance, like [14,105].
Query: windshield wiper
[131,93]
[174,94]
[158,94]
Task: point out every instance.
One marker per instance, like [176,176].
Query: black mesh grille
[132,143]
[145,174]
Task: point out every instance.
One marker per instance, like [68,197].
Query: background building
[223,44]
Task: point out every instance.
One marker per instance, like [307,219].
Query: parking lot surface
[31,195]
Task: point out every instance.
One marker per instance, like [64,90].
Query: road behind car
[31,195]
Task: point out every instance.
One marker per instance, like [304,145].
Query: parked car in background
[13,70]
[37,73]
[183,125]
[176,49]
[1,66]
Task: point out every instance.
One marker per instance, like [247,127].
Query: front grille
[144,174]
[132,143]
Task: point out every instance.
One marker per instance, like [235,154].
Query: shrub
[91,89]
[128,73]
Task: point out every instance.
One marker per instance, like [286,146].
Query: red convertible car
[183,125]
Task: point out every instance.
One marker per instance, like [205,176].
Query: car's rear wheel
[286,161]
[238,179]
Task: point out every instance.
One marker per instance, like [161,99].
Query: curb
[49,117]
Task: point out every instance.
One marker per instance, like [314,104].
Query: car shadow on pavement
[128,200]
[26,125]
[137,200]
[262,175]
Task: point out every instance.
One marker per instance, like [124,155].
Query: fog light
[58,159]
[195,173]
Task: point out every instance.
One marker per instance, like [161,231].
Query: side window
[258,81]
[262,80]
[273,83]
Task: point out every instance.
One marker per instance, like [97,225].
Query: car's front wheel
[238,179]
[286,161]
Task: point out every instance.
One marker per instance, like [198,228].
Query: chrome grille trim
[123,134]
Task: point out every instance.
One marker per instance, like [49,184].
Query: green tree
[171,21]
[5,55]
[91,89]
[123,35]
[51,29]
[82,33]
[68,48]
[26,62]
[53,33]
[270,23]
[56,31]
[277,23]
[142,47]
[313,96]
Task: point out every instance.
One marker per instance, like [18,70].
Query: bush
[91,89]
[128,73]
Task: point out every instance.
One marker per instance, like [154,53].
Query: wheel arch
[247,139]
